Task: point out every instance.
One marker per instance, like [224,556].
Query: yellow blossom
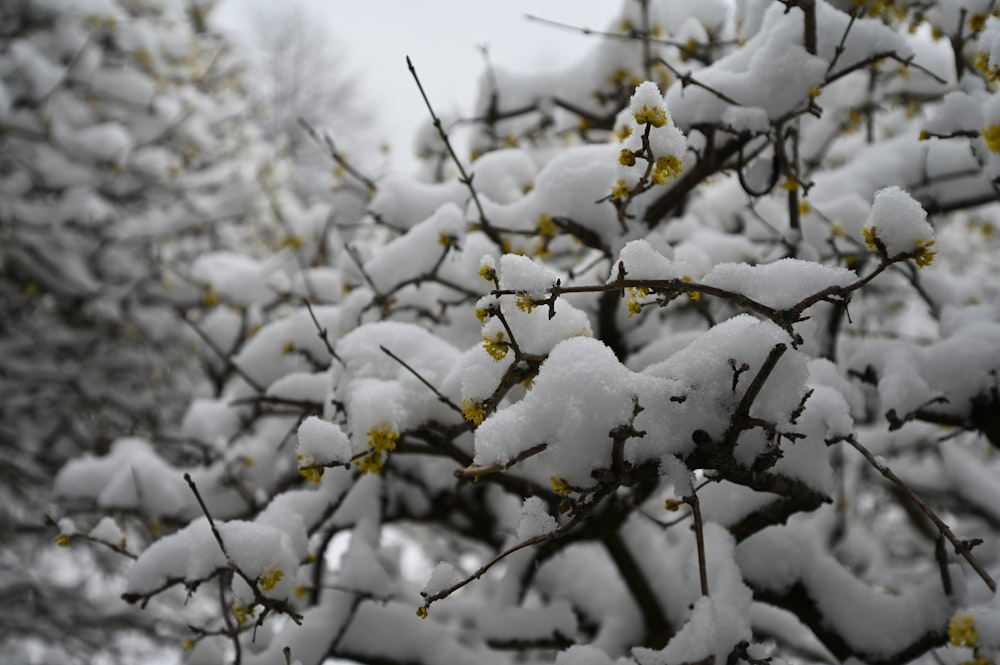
[473,410]
[300,590]
[619,76]
[837,230]
[445,239]
[371,463]
[667,168]
[634,307]
[242,614]
[623,133]
[308,470]
[289,347]
[672,505]
[815,91]
[62,540]
[962,631]
[922,255]
[546,227]
[991,134]
[560,486]
[210,299]
[869,233]
[977,22]
[487,272]
[481,314]
[694,295]
[188,644]
[804,207]
[382,437]
[620,189]
[626,158]
[656,116]
[422,612]
[790,184]
[496,346]
[924,135]
[270,577]
[525,303]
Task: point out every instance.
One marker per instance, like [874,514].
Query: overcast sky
[441,37]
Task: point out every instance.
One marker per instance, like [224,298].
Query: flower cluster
[381,438]
[308,468]
[473,410]
[270,577]
[652,147]
[496,346]
[634,296]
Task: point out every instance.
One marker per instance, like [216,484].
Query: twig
[962,547]
[227,359]
[699,535]
[336,155]
[322,332]
[211,522]
[428,599]
[487,469]
[465,178]
[441,398]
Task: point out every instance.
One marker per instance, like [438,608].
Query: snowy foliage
[696,359]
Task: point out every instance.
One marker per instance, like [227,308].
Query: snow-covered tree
[125,160]
[697,359]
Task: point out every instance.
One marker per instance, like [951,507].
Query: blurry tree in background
[125,155]
[697,360]
[299,73]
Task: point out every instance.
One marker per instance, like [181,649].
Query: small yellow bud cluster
[620,189]
[496,346]
[560,486]
[962,631]
[242,614]
[474,411]
[487,272]
[546,227]
[672,505]
[694,295]
[991,134]
[922,255]
[667,168]
[982,63]
[308,468]
[525,303]
[634,296]
[655,116]
[626,158]
[210,299]
[869,234]
[270,577]
[381,438]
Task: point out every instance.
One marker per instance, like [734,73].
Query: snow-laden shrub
[696,361]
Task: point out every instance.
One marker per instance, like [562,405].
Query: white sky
[442,38]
